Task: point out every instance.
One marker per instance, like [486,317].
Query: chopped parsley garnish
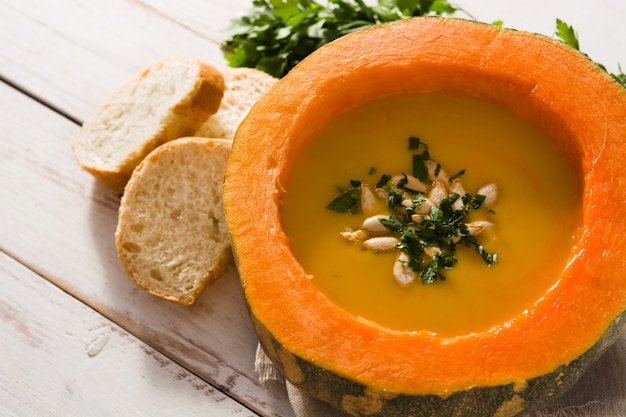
[427,231]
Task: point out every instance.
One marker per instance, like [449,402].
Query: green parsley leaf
[393,223]
[620,77]
[419,167]
[414,143]
[477,201]
[488,257]
[567,34]
[349,200]
[430,273]
[457,175]
[403,181]
[384,179]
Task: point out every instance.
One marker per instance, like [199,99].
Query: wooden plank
[63,358]
[211,19]
[72,54]
[61,223]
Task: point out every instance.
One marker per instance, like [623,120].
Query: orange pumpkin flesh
[351,362]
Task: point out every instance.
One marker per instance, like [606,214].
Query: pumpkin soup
[530,226]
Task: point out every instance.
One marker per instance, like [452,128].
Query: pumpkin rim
[559,327]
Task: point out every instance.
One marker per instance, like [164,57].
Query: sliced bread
[171,235]
[167,100]
[244,86]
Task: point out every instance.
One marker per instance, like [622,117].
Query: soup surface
[535,217]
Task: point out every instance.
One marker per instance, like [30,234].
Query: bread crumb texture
[171,235]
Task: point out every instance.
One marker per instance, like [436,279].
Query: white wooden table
[77,337]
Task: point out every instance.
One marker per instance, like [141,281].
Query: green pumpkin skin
[498,401]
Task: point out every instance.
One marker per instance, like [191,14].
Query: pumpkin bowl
[367,368]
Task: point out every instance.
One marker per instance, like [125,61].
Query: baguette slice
[167,100]
[171,235]
[244,86]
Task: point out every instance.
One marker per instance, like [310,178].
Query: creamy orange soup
[535,218]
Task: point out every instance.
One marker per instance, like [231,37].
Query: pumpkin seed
[431,251]
[435,172]
[402,272]
[424,206]
[491,191]
[438,191]
[374,225]
[382,193]
[382,243]
[368,199]
[457,188]
[477,227]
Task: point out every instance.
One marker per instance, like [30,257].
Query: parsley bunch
[277,34]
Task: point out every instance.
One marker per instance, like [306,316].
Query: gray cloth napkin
[601,392]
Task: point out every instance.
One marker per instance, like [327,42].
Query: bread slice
[167,100]
[244,86]
[171,234]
